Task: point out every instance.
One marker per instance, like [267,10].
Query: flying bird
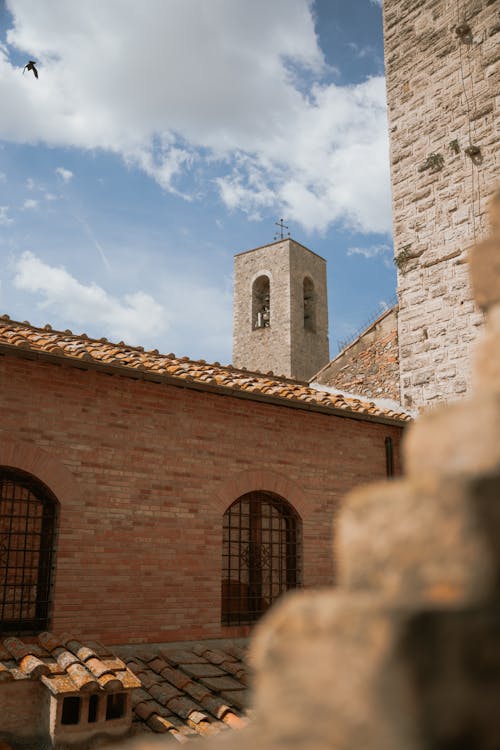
[31,66]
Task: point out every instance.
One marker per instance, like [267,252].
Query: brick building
[175,499]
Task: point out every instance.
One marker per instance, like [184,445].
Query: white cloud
[372,251]
[64,174]
[5,219]
[3,177]
[186,84]
[30,183]
[135,318]
[201,328]
[366,50]
[30,203]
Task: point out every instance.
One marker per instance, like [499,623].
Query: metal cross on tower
[282,226]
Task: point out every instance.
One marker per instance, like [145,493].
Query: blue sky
[163,137]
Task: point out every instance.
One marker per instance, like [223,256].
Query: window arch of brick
[261,555]
[28,523]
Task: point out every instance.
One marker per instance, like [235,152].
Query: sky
[163,137]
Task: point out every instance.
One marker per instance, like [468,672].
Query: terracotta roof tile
[61,670]
[198,373]
[221,683]
[176,695]
[202,670]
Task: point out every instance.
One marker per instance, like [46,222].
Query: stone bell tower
[280,310]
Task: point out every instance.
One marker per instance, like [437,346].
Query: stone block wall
[443,78]
[285,346]
[370,364]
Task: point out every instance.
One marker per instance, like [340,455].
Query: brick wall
[441,90]
[143,473]
[370,364]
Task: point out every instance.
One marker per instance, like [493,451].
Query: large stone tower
[280,310]
[443,76]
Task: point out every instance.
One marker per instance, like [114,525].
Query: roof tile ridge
[47,328]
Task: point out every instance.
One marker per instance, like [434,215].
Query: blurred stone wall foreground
[405,652]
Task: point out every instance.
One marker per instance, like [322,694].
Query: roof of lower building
[83,351]
[65,665]
[189,689]
[368,365]
[183,690]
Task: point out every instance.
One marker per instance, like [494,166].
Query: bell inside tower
[261,307]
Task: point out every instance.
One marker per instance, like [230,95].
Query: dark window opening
[28,517]
[260,556]
[93,706]
[70,711]
[309,305]
[261,303]
[389,457]
[115,706]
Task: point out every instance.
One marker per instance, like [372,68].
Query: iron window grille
[261,555]
[28,518]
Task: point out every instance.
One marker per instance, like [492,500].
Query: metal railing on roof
[344,343]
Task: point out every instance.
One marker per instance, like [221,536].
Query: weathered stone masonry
[369,365]
[442,77]
[285,342]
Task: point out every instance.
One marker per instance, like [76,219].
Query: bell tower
[280,310]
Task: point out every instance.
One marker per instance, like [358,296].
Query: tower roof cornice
[281,242]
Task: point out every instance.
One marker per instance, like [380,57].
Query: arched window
[28,515]
[309,305]
[261,303]
[261,555]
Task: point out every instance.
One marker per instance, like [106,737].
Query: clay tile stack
[64,665]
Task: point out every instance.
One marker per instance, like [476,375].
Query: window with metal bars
[28,517]
[261,555]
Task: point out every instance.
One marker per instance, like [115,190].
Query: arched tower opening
[309,300]
[261,303]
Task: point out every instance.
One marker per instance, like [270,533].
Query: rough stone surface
[459,440]
[285,346]
[441,91]
[484,260]
[322,659]
[486,365]
[420,524]
[370,364]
